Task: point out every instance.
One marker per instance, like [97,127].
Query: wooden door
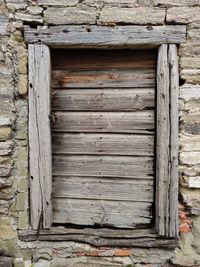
[103,133]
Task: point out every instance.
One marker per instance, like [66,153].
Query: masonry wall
[13,130]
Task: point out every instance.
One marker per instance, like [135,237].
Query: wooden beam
[40,135]
[162,143]
[173,192]
[144,238]
[102,36]
[167,141]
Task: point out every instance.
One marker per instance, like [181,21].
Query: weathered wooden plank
[104,78]
[103,59]
[39,135]
[102,36]
[162,145]
[103,188]
[103,166]
[122,214]
[113,122]
[102,237]
[174,142]
[103,99]
[103,144]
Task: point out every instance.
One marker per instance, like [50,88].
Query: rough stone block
[20,204]
[3,24]
[7,105]
[194,182]
[190,63]
[6,261]
[190,76]
[28,17]
[5,133]
[22,118]
[183,15]
[5,166]
[189,143]
[23,220]
[140,15]
[34,10]
[189,49]
[22,84]
[193,32]
[4,206]
[6,121]
[6,148]
[118,3]
[190,93]
[190,158]
[72,15]
[191,200]
[58,3]
[18,262]
[171,3]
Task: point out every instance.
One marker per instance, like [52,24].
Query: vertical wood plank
[40,136]
[162,143]
[173,192]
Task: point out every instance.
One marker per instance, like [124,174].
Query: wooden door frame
[164,38]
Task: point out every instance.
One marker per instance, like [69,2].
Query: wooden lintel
[104,36]
[102,237]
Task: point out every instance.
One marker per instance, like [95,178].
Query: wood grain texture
[103,59]
[103,99]
[104,78]
[40,136]
[101,212]
[174,142]
[162,146]
[103,166]
[144,238]
[103,189]
[113,122]
[102,36]
[103,144]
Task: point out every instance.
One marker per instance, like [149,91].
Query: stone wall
[13,130]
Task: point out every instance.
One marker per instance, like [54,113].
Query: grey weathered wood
[174,143]
[162,145]
[104,78]
[122,214]
[103,166]
[103,188]
[102,36]
[103,99]
[103,144]
[40,135]
[102,237]
[113,122]
[93,59]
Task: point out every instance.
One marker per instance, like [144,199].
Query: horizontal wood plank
[103,59]
[103,166]
[103,188]
[101,212]
[113,122]
[142,238]
[103,144]
[102,36]
[103,99]
[104,79]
